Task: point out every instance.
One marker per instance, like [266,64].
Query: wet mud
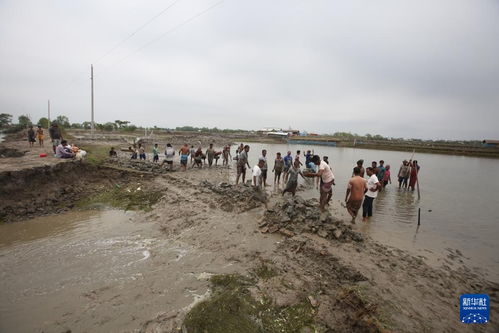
[203,255]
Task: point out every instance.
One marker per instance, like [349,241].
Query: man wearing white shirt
[373,186]
[257,174]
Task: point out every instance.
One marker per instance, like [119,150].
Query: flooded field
[458,202]
[94,271]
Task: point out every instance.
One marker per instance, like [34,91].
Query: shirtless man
[226,155]
[355,193]
[362,170]
[184,156]
[242,162]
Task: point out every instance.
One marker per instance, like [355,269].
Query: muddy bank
[334,284]
[56,188]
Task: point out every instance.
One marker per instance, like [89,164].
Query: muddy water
[94,271]
[458,202]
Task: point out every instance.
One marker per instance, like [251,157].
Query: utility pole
[49,111]
[92,94]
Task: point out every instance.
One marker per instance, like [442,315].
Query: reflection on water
[458,200]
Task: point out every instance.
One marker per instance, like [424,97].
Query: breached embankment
[49,189]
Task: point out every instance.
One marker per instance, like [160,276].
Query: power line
[136,31]
[78,78]
[175,28]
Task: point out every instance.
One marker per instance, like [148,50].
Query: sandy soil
[351,282]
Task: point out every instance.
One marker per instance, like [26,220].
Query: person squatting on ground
[326,181]
[292,182]
[357,186]
[62,151]
[373,186]
[242,162]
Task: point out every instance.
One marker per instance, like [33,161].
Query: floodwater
[93,271]
[459,202]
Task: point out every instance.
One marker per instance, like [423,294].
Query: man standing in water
[381,173]
[373,186]
[361,168]
[288,161]
[357,186]
[242,162]
[403,174]
[184,156]
[327,181]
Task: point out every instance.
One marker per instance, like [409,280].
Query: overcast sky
[425,68]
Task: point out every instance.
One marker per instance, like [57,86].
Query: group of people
[60,147]
[362,192]
[34,135]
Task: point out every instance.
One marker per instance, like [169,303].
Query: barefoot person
[184,156]
[264,167]
[292,183]
[403,174]
[359,165]
[288,163]
[257,174]
[242,162]
[226,155]
[55,135]
[278,167]
[357,186]
[210,153]
[155,153]
[327,181]
[39,135]
[31,136]
[169,153]
[373,187]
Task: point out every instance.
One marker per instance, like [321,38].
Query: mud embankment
[56,188]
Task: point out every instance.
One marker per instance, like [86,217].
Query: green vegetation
[96,154]
[232,309]
[264,271]
[123,197]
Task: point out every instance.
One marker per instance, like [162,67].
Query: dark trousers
[367,206]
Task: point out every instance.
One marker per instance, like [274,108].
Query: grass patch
[232,309]
[127,198]
[264,271]
[96,154]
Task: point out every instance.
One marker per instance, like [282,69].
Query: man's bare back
[357,187]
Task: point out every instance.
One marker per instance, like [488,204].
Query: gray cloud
[414,69]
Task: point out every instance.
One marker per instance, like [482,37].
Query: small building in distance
[491,143]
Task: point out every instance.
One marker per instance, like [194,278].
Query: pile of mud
[10,152]
[143,166]
[294,215]
[236,198]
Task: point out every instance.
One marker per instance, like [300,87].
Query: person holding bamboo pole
[414,174]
